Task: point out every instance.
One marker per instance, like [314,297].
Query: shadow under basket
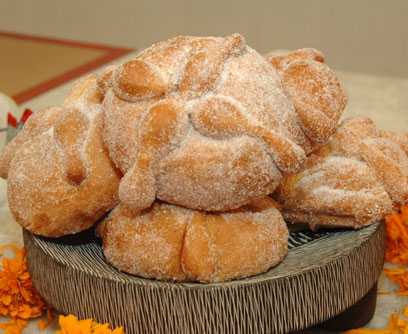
[328,280]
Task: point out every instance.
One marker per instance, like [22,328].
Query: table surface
[384,99]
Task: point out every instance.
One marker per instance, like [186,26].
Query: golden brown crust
[206,62]
[317,95]
[281,60]
[33,127]
[70,133]
[384,152]
[399,138]
[174,243]
[222,248]
[221,170]
[338,187]
[352,181]
[138,80]
[61,180]
[105,79]
[84,91]
[390,164]
[147,244]
[220,118]
[223,90]
[158,131]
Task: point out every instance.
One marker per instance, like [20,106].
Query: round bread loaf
[173,243]
[210,124]
[60,177]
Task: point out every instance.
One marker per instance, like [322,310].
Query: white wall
[365,36]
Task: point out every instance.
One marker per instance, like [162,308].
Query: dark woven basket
[323,275]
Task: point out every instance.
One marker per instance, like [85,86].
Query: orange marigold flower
[44,323]
[14,326]
[20,301]
[70,324]
[18,298]
[396,226]
[399,276]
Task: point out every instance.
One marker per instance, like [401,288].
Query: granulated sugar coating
[317,96]
[60,177]
[208,123]
[173,243]
[352,181]
[43,120]
[211,127]
[282,59]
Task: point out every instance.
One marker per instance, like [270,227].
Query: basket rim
[333,243]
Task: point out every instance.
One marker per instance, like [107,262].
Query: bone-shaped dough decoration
[212,90]
[59,174]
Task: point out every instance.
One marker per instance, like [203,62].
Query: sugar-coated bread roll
[173,243]
[383,151]
[333,191]
[313,87]
[208,123]
[352,181]
[282,59]
[60,177]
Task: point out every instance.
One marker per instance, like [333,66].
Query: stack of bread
[178,154]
